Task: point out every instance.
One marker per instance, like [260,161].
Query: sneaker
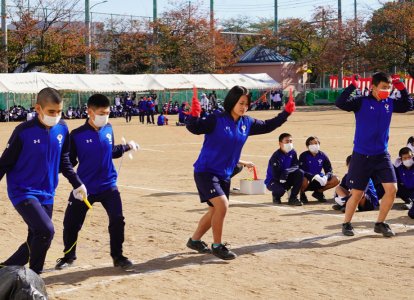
[276,200]
[411,212]
[223,253]
[199,246]
[294,201]
[64,262]
[384,228]
[337,207]
[123,262]
[303,198]
[347,229]
[319,196]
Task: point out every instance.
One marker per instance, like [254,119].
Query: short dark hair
[404,150]
[284,135]
[48,95]
[348,159]
[233,96]
[310,139]
[98,100]
[380,77]
[410,140]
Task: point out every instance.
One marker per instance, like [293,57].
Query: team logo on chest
[244,129]
[36,141]
[109,137]
[387,107]
[60,138]
[320,161]
[88,141]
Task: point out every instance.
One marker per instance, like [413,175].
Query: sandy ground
[284,252]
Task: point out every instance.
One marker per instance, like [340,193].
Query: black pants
[293,181]
[150,114]
[39,220]
[128,115]
[75,216]
[142,116]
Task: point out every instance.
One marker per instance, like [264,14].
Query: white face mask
[314,148]
[100,121]
[50,121]
[408,163]
[288,147]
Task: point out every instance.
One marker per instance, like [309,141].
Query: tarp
[34,82]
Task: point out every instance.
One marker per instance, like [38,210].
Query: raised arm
[347,102]
[197,125]
[262,127]
[10,155]
[406,102]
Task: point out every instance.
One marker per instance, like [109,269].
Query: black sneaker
[411,212]
[319,196]
[64,262]
[199,246]
[384,228]
[223,253]
[337,207]
[303,198]
[294,201]
[276,200]
[347,229]
[123,262]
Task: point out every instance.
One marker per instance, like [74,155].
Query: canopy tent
[31,83]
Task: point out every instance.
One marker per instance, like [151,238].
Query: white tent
[34,82]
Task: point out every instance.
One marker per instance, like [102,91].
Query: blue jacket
[370,191]
[373,119]
[280,165]
[225,138]
[94,151]
[32,161]
[405,176]
[312,165]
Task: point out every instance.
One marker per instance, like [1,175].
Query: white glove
[340,201]
[133,146]
[282,181]
[80,192]
[321,179]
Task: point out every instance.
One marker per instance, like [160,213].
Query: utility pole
[212,15]
[88,57]
[154,34]
[275,27]
[213,38]
[355,11]
[4,35]
[154,10]
[341,69]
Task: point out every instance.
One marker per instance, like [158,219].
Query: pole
[275,28]
[4,35]
[213,38]
[212,15]
[88,57]
[341,70]
[154,11]
[355,10]
[155,34]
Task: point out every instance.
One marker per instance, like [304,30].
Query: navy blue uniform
[32,160]
[94,150]
[150,111]
[313,165]
[370,155]
[405,179]
[371,195]
[283,173]
[223,141]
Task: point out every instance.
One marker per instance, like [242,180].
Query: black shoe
[411,212]
[294,201]
[199,246]
[123,262]
[223,253]
[319,196]
[276,200]
[347,229]
[64,262]
[337,207]
[303,198]
[384,228]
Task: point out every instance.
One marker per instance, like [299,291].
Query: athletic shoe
[337,207]
[411,212]
[64,262]
[276,200]
[223,253]
[303,198]
[123,262]
[199,246]
[347,229]
[319,196]
[294,201]
[383,228]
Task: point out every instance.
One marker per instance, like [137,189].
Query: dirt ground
[284,252]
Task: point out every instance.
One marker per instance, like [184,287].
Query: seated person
[162,120]
[369,200]
[283,172]
[312,162]
[405,177]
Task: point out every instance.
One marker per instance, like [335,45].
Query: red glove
[290,106]
[355,81]
[397,82]
[195,110]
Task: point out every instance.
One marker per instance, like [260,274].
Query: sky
[225,9]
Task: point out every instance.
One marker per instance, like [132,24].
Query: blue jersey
[405,176]
[150,106]
[32,161]
[161,120]
[370,191]
[373,119]
[313,165]
[94,150]
[225,138]
[280,165]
